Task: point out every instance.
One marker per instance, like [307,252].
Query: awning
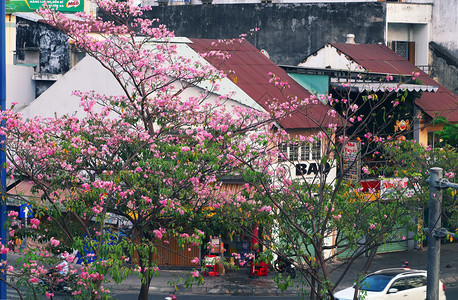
[384,86]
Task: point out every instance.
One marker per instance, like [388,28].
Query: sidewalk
[241,283]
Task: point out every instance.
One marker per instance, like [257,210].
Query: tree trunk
[144,289]
[312,289]
[366,268]
[97,284]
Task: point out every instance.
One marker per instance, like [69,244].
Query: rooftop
[248,68]
[381,59]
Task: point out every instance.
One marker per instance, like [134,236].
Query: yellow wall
[10,38]
[424,133]
[90,7]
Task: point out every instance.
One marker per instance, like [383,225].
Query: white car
[392,284]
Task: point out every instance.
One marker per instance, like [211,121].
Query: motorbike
[58,280]
[283,265]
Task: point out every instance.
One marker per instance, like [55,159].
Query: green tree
[449,133]
[315,209]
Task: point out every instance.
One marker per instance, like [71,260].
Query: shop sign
[312,168]
[12,6]
[352,160]
[391,187]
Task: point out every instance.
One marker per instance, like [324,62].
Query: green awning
[315,84]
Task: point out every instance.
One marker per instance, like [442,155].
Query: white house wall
[87,75]
[445,24]
[328,57]
[408,13]
[20,87]
[421,37]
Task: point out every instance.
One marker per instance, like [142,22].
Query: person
[405,265]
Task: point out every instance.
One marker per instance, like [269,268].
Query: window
[399,284]
[416,281]
[316,150]
[294,151]
[283,147]
[305,151]
[433,139]
[404,49]
[375,283]
[299,152]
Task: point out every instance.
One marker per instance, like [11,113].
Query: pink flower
[195,273]
[195,260]
[372,226]
[97,209]
[266,208]
[33,280]
[449,175]
[54,242]
[35,222]
[157,234]
[13,214]
[185,149]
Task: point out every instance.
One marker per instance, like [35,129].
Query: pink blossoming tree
[151,158]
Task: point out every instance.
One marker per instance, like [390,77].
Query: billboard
[12,6]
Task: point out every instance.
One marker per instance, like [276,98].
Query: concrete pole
[434,222]
[2,154]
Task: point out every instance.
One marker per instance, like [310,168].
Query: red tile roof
[251,69]
[381,59]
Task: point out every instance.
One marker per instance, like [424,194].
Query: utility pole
[2,154]
[434,231]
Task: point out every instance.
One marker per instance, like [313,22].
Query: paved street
[239,283]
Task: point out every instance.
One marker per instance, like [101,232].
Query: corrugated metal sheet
[251,70]
[381,59]
[172,254]
[21,193]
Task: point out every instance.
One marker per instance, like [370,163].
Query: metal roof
[381,59]
[248,68]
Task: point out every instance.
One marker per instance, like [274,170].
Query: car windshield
[375,283]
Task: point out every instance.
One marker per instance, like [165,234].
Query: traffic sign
[26,211]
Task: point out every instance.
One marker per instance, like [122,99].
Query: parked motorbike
[58,280]
[283,265]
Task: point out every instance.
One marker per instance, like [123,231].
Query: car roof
[398,271]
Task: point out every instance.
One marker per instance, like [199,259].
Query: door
[409,288]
